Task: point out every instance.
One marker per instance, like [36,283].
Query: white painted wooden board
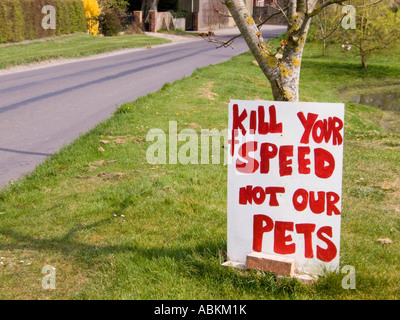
[285,181]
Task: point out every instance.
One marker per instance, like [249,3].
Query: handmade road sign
[285,182]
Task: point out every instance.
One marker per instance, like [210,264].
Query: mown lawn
[116,227]
[70,46]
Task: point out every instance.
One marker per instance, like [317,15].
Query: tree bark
[281,69]
[148,5]
[364,61]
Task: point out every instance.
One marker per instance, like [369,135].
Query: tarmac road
[42,109]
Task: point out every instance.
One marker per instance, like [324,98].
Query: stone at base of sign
[271,263]
[234,264]
[303,278]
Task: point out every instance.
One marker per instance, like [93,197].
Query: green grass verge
[172,238]
[71,46]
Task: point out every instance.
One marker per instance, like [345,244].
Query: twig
[282,11]
[321,7]
[210,38]
[337,27]
[328,3]
[228,43]
[369,4]
[222,13]
[219,43]
[272,15]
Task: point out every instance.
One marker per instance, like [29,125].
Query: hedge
[22,19]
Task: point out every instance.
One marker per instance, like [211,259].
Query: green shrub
[63,15]
[110,24]
[78,19]
[31,31]
[22,19]
[16,16]
[5,24]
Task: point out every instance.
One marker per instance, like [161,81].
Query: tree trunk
[364,61]
[281,70]
[363,54]
[324,48]
[148,5]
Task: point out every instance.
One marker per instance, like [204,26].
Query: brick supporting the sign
[271,263]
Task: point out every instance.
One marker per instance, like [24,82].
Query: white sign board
[285,181]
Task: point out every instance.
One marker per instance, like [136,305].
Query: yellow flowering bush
[92,12]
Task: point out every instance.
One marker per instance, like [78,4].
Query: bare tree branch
[228,43]
[272,15]
[292,7]
[323,6]
[282,11]
[218,43]
[222,13]
[336,28]
[369,4]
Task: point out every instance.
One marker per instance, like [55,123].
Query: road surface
[44,109]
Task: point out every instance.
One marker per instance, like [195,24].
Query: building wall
[207,17]
[262,10]
[189,6]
